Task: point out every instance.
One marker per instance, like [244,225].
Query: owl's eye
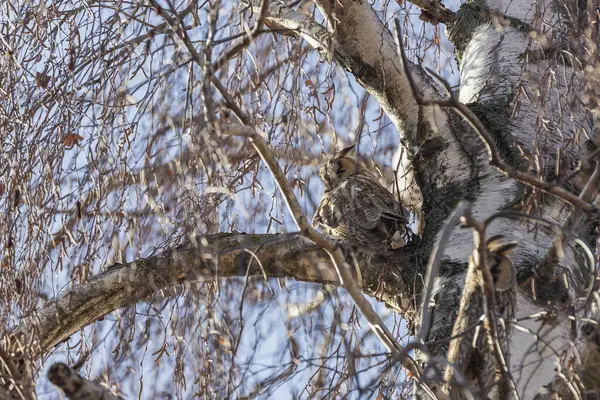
[341,171]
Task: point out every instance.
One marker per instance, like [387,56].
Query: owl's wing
[325,214]
[336,216]
[360,209]
[318,218]
[378,205]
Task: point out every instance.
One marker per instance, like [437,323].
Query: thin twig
[202,61]
[547,267]
[588,194]
[13,374]
[236,49]
[430,360]
[262,269]
[519,215]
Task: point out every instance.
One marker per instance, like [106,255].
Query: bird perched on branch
[470,352]
[356,206]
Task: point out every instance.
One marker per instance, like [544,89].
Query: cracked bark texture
[203,259]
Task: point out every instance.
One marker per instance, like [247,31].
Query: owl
[470,351]
[357,207]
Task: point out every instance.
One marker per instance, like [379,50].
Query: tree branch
[434,11]
[506,386]
[354,26]
[201,259]
[495,160]
[76,387]
[433,267]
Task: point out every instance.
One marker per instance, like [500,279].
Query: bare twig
[202,61]
[236,49]
[506,384]
[519,215]
[547,267]
[7,364]
[10,377]
[430,360]
[588,194]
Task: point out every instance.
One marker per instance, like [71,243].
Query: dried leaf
[42,80]
[71,140]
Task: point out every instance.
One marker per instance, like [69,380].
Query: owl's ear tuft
[498,245]
[506,249]
[344,151]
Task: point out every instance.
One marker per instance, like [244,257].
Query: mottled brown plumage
[470,352]
[356,206]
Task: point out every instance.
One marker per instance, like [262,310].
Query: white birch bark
[491,69]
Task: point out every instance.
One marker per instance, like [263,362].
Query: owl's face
[339,168]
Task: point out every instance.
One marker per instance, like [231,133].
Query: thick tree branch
[354,26]
[202,259]
[495,160]
[377,67]
[76,387]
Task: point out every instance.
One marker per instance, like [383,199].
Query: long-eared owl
[469,351]
[356,206]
